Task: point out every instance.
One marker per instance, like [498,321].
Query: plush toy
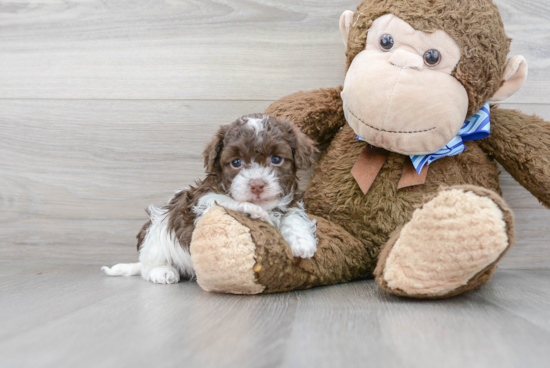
[407,186]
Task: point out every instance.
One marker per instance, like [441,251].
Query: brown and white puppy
[251,168]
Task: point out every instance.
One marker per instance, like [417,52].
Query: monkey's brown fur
[353,227]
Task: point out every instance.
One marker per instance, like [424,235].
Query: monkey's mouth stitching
[387,131]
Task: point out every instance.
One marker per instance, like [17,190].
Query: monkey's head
[418,69]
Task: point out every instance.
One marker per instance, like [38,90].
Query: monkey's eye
[236,163]
[386,42]
[276,160]
[432,57]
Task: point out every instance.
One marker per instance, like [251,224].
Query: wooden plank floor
[71,316]
[105,107]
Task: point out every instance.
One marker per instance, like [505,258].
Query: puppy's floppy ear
[213,150]
[304,150]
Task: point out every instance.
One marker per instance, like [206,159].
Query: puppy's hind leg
[162,258]
[123,269]
[164,275]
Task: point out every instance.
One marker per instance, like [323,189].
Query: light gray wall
[105,107]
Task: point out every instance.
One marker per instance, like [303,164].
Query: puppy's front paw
[164,275]
[255,212]
[302,247]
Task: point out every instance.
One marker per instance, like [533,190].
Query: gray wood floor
[71,316]
[105,106]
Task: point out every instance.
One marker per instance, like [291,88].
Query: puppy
[251,168]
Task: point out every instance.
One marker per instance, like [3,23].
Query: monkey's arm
[521,144]
[319,113]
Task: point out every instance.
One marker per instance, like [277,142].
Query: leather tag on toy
[368,166]
[410,177]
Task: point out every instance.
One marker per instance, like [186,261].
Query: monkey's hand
[521,144]
[318,114]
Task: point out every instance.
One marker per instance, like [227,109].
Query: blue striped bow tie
[476,127]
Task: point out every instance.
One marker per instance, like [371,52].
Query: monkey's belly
[334,194]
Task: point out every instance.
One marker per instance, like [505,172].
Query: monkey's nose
[257,186]
[405,59]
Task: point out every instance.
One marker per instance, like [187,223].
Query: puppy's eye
[386,42]
[432,57]
[236,163]
[276,160]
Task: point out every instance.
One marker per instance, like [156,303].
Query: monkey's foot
[451,245]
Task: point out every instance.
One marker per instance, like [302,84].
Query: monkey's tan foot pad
[451,245]
[223,254]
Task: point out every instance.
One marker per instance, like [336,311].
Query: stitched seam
[359,16]
[387,131]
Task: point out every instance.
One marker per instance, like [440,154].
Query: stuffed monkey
[407,187]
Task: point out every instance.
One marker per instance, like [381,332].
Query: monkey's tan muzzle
[393,102]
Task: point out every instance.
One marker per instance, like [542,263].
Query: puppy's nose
[257,186]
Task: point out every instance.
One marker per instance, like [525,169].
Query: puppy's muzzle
[257,186]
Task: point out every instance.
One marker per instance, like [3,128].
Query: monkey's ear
[514,76]
[345,24]
[213,150]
